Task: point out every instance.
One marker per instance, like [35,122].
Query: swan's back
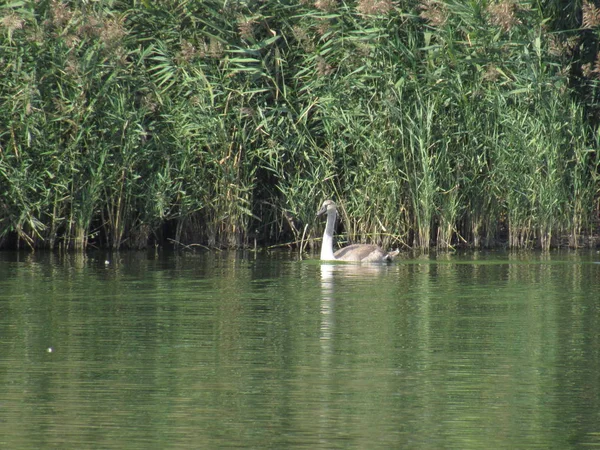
[364,253]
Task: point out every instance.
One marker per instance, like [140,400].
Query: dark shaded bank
[226,124]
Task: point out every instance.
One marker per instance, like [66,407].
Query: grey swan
[354,252]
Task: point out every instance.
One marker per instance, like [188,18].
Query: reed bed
[432,123]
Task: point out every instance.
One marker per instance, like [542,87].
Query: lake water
[223,350]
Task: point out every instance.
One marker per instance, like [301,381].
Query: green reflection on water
[483,350]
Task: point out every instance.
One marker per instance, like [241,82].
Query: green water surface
[225,350]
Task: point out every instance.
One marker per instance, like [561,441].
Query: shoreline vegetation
[433,124]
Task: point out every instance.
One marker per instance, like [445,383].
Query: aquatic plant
[432,123]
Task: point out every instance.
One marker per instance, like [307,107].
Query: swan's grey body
[355,252]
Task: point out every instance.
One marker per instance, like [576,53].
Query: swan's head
[326,207]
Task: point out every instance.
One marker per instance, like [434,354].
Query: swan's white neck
[327,244]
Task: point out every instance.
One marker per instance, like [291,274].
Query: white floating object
[50,350]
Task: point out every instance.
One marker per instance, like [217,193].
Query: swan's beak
[322,211]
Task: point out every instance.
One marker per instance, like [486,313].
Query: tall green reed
[432,123]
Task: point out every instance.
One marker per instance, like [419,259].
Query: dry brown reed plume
[303,38]
[503,14]
[434,12]
[246,28]
[12,22]
[590,15]
[112,31]
[322,27]
[373,7]
[61,13]
[491,74]
[326,5]
[188,51]
[323,68]
[562,47]
[592,70]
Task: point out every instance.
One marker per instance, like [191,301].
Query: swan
[354,252]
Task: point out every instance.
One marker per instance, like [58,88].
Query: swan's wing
[360,252]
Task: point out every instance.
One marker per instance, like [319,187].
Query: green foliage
[431,123]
